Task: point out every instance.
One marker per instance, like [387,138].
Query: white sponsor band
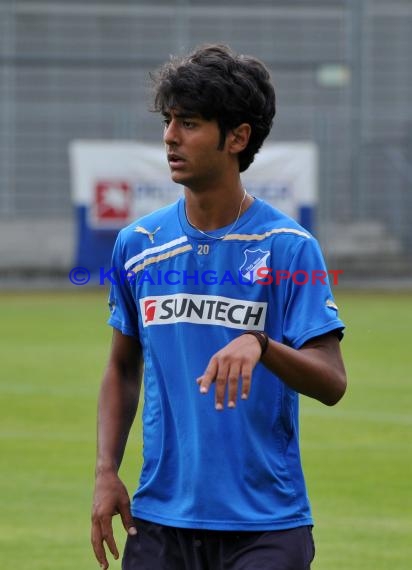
[203,310]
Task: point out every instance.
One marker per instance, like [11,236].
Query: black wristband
[262,338]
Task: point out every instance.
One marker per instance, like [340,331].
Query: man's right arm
[119,396]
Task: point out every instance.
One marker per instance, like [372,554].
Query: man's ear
[237,139]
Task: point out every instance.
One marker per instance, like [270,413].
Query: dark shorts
[158,547]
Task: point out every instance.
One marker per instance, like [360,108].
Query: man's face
[192,146]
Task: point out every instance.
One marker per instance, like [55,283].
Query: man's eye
[188,124]
[166,122]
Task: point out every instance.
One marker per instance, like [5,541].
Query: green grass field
[357,456]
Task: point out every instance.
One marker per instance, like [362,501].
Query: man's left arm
[316,369]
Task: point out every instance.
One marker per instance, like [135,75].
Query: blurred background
[75,70]
[80,70]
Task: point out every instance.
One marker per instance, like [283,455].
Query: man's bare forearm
[119,397]
[117,409]
[316,370]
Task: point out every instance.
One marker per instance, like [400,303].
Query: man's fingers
[127,519]
[246,380]
[225,369]
[220,383]
[98,548]
[233,381]
[208,376]
[107,534]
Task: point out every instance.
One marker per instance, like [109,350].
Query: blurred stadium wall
[79,70]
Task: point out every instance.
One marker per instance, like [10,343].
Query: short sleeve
[123,311]
[310,309]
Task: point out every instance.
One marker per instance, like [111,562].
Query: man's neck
[216,208]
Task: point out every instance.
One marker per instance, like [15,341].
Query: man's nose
[170,135]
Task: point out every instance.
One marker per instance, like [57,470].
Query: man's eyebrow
[183,114]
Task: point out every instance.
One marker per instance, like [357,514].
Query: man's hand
[236,360]
[110,498]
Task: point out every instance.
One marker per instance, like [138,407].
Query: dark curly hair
[216,83]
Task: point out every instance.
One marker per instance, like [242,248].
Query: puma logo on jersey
[150,235]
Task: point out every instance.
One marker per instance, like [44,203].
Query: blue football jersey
[185,296]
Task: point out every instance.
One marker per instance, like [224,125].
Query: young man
[227,343]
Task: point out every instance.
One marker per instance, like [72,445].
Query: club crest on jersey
[149,234]
[254,260]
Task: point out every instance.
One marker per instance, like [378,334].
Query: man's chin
[178,177]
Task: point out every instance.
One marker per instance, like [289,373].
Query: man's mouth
[175,160]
